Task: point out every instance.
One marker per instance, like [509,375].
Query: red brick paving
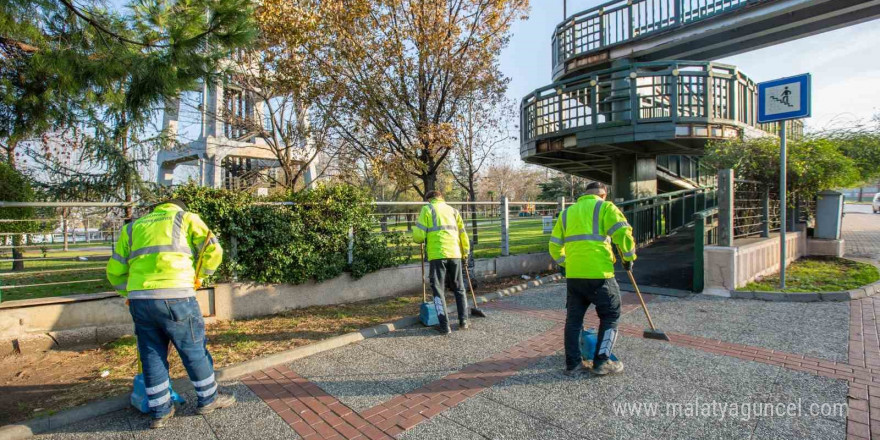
[314,414]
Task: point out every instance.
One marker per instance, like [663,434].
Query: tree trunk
[64,231]
[473,198]
[129,209]
[429,181]
[861,193]
[17,254]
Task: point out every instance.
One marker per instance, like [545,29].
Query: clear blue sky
[845,63]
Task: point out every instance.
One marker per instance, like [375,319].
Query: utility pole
[564,10]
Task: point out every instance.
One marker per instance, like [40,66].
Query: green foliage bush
[815,163]
[305,239]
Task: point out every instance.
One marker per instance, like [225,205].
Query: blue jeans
[605,294]
[159,323]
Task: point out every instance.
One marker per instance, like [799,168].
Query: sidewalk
[502,379]
[788,369]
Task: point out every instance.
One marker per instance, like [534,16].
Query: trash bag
[139,395]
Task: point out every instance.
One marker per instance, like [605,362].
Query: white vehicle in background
[876,203]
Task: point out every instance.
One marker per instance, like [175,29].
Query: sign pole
[783,208]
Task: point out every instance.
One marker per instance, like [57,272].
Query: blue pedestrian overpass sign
[785,98]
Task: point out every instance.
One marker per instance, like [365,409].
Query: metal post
[505,227]
[782,206]
[350,245]
[725,208]
[765,213]
[699,237]
[564,10]
[560,205]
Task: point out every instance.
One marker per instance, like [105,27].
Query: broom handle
[468,273]
[201,255]
[424,289]
[639,293]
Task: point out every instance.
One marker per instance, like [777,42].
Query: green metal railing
[658,216]
[705,233]
[622,21]
[644,93]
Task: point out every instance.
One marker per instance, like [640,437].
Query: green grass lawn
[526,236]
[819,275]
[58,267]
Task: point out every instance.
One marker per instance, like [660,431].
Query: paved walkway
[502,380]
[861,231]
[734,369]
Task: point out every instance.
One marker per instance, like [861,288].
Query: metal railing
[657,216]
[643,93]
[705,234]
[55,266]
[622,21]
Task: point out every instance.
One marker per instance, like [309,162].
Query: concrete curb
[90,410]
[847,295]
[41,425]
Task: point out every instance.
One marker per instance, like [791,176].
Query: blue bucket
[139,395]
[428,314]
[589,339]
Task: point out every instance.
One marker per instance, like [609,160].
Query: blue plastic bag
[139,395]
[589,339]
[428,314]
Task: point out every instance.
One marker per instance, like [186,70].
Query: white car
[876,204]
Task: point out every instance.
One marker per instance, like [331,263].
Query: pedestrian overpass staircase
[635,84]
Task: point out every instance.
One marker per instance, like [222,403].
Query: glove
[628,265]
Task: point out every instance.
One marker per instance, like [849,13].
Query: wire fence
[56,254]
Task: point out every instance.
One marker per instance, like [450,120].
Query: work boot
[464,325]
[162,421]
[222,401]
[607,367]
[576,371]
[443,329]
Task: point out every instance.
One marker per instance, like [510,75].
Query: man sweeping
[441,228]
[580,242]
[153,265]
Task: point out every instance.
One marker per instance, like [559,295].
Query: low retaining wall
[78,320]
[728,268]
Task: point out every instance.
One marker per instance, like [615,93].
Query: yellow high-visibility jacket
[155,255]
[442,227]
[580,239]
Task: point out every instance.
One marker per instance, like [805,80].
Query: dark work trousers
[440,271]
[605,295]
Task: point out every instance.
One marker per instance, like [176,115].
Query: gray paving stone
[249,416]
[813,329]
[496,421]
[810,390]
[799,428]
[113,426]
[689,428]
[440,428]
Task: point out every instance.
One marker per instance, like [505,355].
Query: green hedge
[307,240]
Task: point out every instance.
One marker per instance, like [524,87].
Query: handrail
[618,22]
[643,93]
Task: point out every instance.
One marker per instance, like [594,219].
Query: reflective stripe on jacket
[154,256]
[580,239]
[441,225]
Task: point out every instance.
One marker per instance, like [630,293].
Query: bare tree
[481,129]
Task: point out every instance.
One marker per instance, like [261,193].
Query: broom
[651,333]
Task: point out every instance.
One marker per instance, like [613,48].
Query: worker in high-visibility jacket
[153,266]
[580,243]
[442,230]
